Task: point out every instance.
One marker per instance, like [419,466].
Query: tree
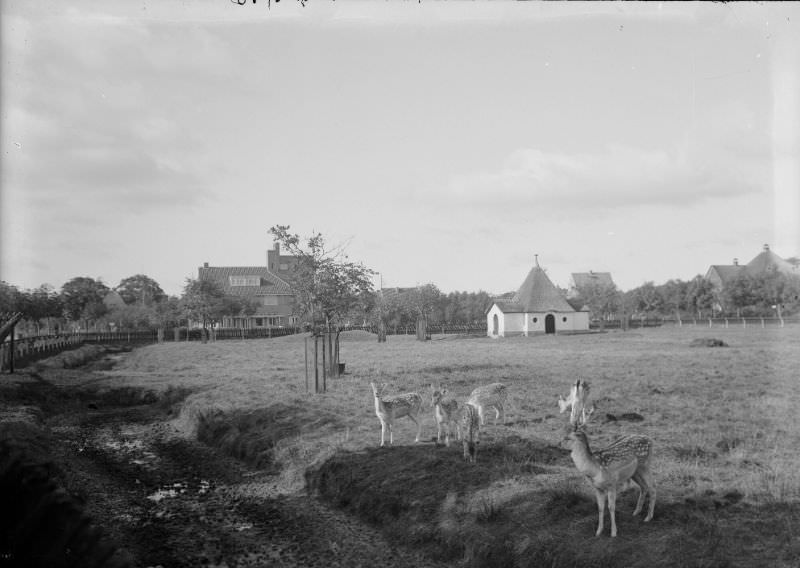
[41,303]
[327,285]
[140,289]
[674,294]
[647,299]
[82,298]
[204,301]
[423,300]
[9,298]
[739,293]
[773,290]
[602,299]
[700,296]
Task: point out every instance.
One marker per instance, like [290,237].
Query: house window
[284,266]
[269,300]
[244,280]
[259,322]
[564,319]
[535,320]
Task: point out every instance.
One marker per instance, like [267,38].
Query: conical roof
[768,261]
[539,294]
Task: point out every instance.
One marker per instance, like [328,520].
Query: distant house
[763,263]
[270,292]
[538,307]
[584,279]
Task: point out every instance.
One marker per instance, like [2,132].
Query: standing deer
[489,396]
[389,408]
[470,432]
[610,468]
[577,402]
[447,414]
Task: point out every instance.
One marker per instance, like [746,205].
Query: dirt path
[172,502]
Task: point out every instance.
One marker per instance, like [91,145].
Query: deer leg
[419,427]
[383,433]
[612,508]
[601,510]
[438,432]
[641,485]
[651,492]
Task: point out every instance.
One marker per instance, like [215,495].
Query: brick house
[267,286]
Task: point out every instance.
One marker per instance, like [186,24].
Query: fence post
[305,341]
[11,352]
[762,322]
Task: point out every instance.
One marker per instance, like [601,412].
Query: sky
[435,142]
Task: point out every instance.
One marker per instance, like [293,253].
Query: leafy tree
[82,298]
[42,303]
[773,290]
[327,285]
[673,295]
[739,294]
[700,296]
[140,289]
[646,299]
[9,298]
[422,301]
[602,299]
[205,301]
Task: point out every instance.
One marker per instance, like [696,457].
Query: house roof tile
[270,282]
[585,278]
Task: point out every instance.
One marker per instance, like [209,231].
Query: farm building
[538,307]
[266,286]
[764,262]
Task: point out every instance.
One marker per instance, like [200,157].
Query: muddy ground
[165,500]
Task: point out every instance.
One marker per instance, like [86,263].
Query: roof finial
[536,259]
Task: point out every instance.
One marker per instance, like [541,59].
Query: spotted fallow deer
[489,396]
[611,468]
[447,413]
[577,402]
[390,408]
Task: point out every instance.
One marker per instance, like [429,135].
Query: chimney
[274,258]
[766,248]
[736,262]
[205,265]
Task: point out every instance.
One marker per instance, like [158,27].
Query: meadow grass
[723,421]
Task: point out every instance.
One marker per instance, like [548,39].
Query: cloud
[100,113]
[613,177]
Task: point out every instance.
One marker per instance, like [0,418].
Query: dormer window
[245,280]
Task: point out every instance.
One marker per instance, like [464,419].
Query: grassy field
[723,420]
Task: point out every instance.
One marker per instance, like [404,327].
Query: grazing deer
[611,468]
[470,432]
[389,408]
[447,414]
[489,396]
[577,402]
